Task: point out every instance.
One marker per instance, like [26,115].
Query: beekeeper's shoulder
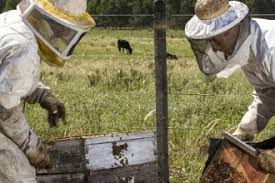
[14,31]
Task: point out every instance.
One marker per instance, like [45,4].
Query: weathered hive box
[125,158]
[230,164]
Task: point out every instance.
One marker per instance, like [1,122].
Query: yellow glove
[266,160]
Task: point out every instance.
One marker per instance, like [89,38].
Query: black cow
[171,56]
[124,44]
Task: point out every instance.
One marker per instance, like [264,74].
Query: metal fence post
[161,89]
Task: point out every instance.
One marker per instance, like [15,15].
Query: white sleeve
[14,125]
[19,72]
[269,65]
[260,111]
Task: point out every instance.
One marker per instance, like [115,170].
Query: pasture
[106,92]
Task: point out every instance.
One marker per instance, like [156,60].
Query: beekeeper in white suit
[224,38]
[38,29]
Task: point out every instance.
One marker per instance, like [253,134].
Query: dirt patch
[221,172]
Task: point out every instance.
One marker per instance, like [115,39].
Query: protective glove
[56,109]
[266,160]
[39,157]
[242,135]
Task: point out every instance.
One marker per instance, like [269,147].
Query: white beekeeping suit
[254,53]
[37,29]
[260,72]
[19,77]
[224,38]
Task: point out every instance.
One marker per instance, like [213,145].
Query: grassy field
[106,92]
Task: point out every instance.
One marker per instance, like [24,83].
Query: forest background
[145,7]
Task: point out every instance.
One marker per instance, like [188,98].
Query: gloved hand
[56,109]
[266,160]
[39,157]
[242,135]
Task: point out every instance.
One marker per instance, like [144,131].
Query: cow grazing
[171,56]
[124,44]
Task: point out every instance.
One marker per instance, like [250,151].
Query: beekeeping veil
[212,18]
[58,25]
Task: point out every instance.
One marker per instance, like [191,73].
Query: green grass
[105,92]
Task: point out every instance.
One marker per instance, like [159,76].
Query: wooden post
[161,89]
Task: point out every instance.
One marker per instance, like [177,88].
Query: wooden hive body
[230,164]
[124,158]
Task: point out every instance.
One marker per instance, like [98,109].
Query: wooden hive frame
[232,164]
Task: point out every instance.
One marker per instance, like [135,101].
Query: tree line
[102,7]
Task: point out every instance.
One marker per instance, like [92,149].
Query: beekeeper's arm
[262,108]
[48,101]
[18,74]
[258,114]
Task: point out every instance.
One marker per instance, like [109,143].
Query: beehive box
[230,164]
[120,158]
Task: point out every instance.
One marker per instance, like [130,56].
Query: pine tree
[11,4]
[2,5]
[142,7]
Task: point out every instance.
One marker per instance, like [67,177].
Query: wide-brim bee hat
[58,26]
[213,17]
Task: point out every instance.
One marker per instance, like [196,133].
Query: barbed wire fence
[173,94]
